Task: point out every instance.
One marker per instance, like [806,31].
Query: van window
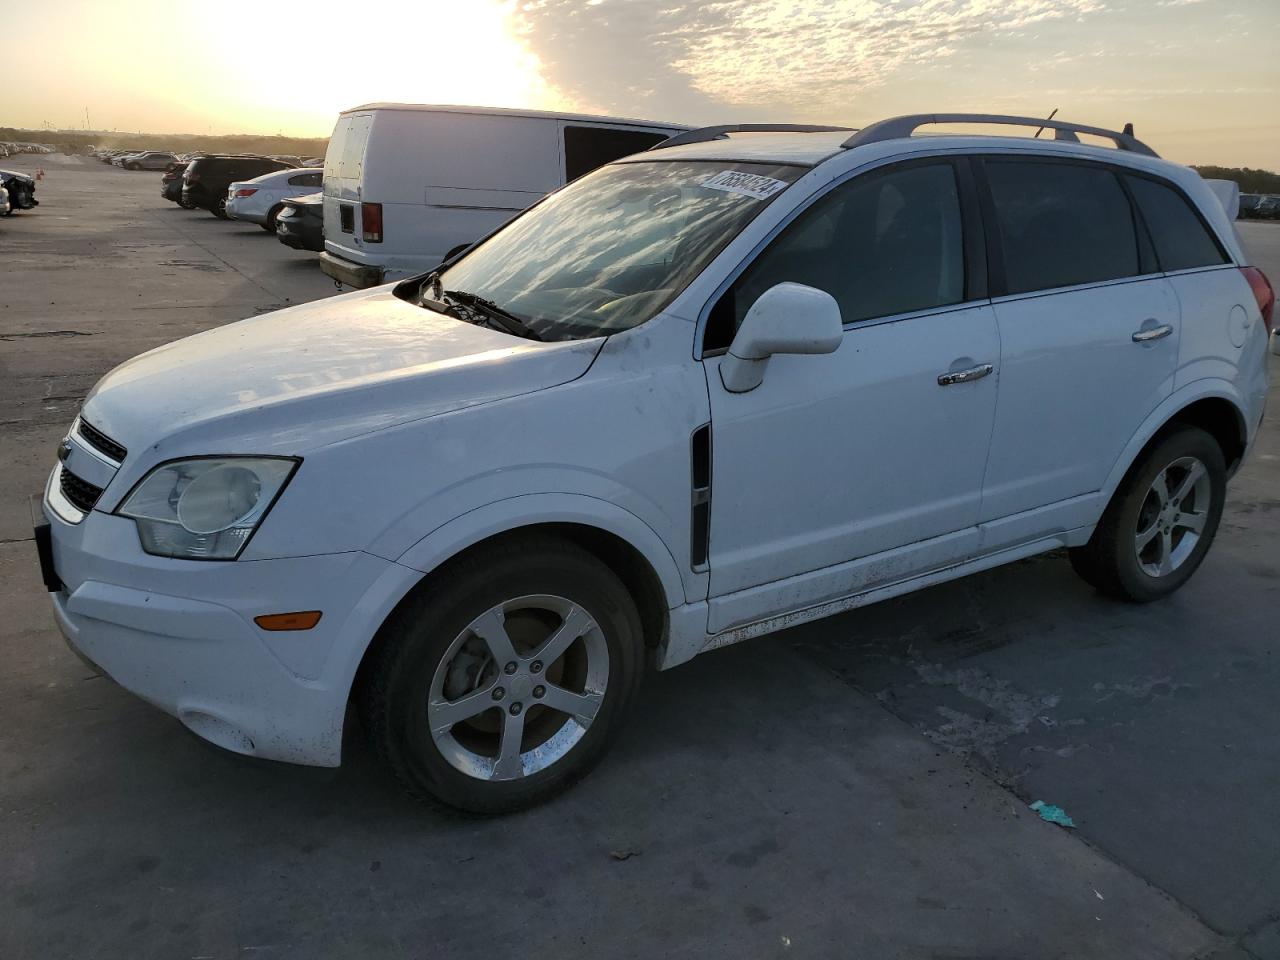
[1061,224]
[1181,238]
[884,243]
[586,148]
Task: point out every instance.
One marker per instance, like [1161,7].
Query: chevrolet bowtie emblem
[64,449]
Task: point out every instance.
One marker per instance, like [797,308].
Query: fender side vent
[700,482]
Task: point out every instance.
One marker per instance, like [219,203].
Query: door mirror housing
[788,318]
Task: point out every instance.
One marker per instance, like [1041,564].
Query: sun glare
[423,51]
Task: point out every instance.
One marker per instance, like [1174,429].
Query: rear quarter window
[1181,239]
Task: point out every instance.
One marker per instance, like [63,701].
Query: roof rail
[703,134]
[898,127]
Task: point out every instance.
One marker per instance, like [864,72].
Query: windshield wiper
[503,318]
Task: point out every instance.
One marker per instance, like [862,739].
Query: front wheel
[504,679]
[1160,522]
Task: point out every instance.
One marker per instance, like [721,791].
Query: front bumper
[181,634]
[352,274]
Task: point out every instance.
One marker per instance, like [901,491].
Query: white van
[404,184]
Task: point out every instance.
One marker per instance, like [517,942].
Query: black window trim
[974,244]
[998,280]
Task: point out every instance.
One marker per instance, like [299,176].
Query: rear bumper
[291,234]
[352,274]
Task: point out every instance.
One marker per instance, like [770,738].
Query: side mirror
[788,318]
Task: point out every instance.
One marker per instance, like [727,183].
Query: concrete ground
[851,788]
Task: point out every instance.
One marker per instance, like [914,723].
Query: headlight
[205,509]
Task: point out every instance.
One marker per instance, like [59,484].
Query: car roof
[806,149]
[812,149]
[508,112]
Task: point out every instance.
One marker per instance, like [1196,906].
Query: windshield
[613,248]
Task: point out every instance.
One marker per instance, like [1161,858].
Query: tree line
[1250,180]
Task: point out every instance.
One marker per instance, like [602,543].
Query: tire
[272,215]
[186,204]
[219,208]
[133,166]
[521,591]
[1190,468]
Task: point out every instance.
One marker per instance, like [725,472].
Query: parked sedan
[148,160]
[22,190]
[261,199]
[1268,208]
[300,223]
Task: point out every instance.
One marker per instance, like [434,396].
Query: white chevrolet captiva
[754,376]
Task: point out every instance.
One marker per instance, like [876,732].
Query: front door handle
[965,376]
[1152,333]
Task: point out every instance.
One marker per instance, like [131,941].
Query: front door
[847,471]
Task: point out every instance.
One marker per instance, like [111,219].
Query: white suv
[749,378]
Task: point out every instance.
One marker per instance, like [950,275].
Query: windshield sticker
[746,184]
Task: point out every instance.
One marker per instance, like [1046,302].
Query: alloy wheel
[1172,517]
[518,688]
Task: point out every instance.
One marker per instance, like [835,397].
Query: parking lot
[856,787]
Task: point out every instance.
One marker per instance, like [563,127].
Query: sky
[1200,79]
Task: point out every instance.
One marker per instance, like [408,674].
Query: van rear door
[344,178]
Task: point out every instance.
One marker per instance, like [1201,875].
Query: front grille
[101,442]
[82,494]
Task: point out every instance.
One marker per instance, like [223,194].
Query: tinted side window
[881,244]
[1181,238]
[1061,224]
[586,148]
[305,180]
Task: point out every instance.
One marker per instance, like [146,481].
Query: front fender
[1210,387]
[529,509]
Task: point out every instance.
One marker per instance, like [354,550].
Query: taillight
[246,191]
[371,222]
[1263,293]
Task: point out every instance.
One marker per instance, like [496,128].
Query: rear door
[343,177]
[1089,333]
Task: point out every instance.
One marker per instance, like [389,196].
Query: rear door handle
[1152,333]
[965,376]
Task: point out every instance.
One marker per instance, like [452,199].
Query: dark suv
[206,179]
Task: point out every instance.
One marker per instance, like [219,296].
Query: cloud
[736,58]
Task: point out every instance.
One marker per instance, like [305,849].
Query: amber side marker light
[288,621]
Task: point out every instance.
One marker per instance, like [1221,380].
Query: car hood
[15,175]
[298,379]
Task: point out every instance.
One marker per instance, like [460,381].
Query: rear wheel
[272,215]
[1160,522]
[219,208]
[504,679]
